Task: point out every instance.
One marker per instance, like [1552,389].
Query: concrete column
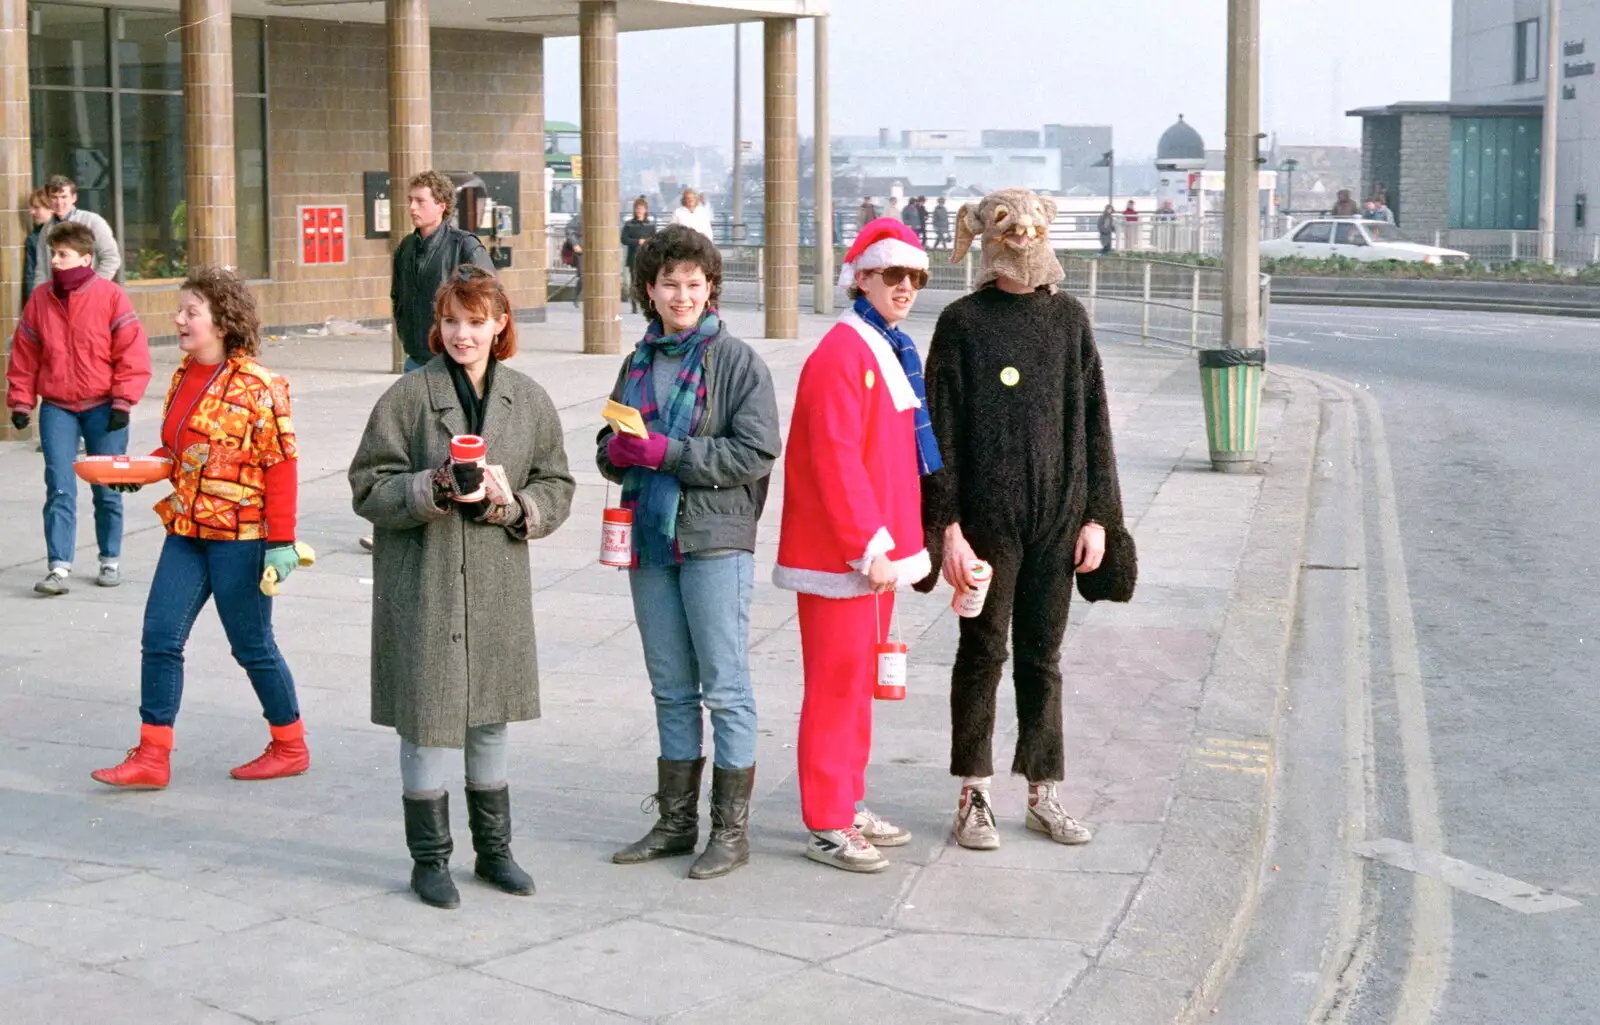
[602,210]
[822,289]
[410,118]
[208,131]
[782,283]
[16,176]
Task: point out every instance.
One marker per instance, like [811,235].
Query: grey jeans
[422,769]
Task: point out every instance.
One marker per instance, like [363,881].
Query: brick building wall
[1425,174]
[328,123]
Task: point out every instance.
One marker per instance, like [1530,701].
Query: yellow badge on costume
[872,379]
[1009,377]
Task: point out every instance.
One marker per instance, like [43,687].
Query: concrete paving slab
[311,967]
[644,969]
[459,996]
[806,941]
[820,995]
[1081,908]
[1000,974]
[107,1000]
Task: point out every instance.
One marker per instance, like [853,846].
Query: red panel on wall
[322,235]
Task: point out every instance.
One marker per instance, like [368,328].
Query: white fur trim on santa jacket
[851,489]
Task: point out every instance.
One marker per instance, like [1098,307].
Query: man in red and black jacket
[80,354]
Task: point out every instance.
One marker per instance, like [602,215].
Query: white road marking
[1480,882]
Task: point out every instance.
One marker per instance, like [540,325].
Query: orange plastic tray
[123,469]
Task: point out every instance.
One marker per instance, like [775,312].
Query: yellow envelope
[624,419]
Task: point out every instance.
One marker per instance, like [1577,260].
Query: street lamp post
[1547,146]
[1230,378]
[1289,166]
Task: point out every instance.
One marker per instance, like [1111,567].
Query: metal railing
[1574,249]
[1148,301]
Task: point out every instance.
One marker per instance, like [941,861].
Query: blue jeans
[694,620]
[58,436]
[189,572]
[423,769]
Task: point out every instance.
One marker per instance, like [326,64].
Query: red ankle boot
[285,756]
[147,767]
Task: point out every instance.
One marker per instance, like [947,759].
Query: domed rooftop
[1180,142]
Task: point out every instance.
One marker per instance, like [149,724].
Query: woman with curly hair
[696,486]
[453,657]
[231,515]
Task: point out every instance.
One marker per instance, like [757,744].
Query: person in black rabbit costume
[1018,402]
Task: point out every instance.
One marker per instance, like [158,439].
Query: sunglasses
[892,276]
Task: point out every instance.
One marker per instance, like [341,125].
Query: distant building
[1081,147]
[1009,138]
[1472,165]
[927,170]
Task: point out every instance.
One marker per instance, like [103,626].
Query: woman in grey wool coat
[453,655]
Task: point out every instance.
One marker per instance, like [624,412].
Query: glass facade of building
[107,111]
[1494,172]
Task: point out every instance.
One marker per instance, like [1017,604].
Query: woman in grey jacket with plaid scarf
[696,486]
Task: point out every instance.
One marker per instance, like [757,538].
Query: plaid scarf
[905,350]
[654,496]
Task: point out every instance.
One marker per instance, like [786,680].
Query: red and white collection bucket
[616,538]
[469,448]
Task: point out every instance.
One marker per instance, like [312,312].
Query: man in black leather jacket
[425,259]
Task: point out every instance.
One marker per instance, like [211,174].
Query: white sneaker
[975,828]
[110,575]
[846,849]
[880,832]
[1045,815]
[54,582]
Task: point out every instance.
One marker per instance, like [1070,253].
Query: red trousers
[838,646]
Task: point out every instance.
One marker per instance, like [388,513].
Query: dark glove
[449,483]
[468,477]
[125,489]
[117,420]
[19,420]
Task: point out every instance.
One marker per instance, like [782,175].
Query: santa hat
[885,242]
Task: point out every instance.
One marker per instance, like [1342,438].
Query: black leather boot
[428,837]
[730,816]
[489,814]
[677,800]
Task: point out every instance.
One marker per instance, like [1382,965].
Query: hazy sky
[1135,64]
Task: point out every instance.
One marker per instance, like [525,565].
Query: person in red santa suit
[859,443]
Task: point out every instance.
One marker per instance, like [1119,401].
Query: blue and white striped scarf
[905,350]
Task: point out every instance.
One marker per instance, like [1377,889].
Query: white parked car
[1367,241]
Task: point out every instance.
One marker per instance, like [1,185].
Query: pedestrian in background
[80,353]
[64,207]
[693,213]
[941,224]
[422,261]
[425,258]
[226,424]
[1107,226]
[866,213]
[453,654]
[1381,212]
[39,210]
[852,532]
[1345,206]
[696,487]
[634,231]
[572,255]
[915,217]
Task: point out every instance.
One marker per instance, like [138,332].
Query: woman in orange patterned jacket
[231,515]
